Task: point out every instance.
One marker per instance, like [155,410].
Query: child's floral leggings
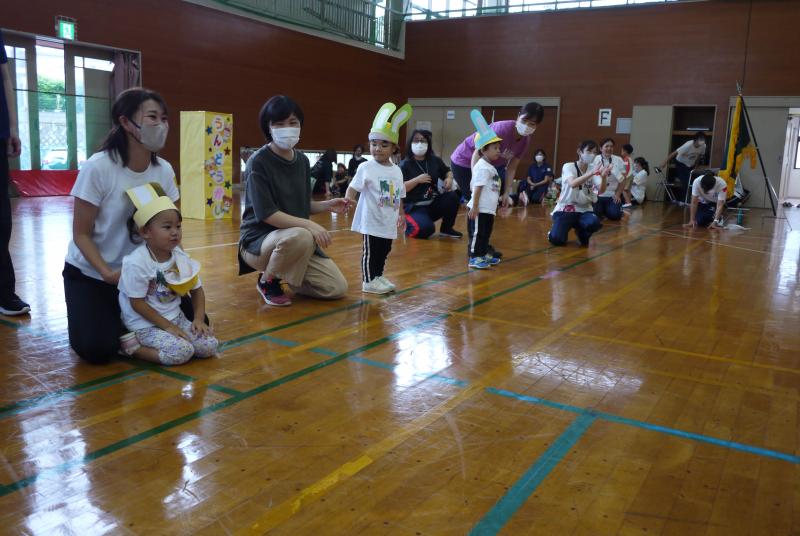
[174,350]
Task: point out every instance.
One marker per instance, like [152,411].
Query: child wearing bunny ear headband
[485,186]
[379,212]
[153,279]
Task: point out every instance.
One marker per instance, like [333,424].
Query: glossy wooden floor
[646,385]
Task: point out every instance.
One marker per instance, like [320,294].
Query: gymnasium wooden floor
[646,385]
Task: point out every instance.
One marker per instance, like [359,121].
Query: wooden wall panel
[204,59]
[688,53]
[691,53]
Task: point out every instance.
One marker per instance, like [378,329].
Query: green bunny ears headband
[387,126]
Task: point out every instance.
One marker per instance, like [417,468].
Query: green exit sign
[66,28]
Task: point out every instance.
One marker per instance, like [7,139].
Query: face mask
[152,137]
[701,145]
[419,149]
[540,158]
[285,138]
[524,129]
[588,158]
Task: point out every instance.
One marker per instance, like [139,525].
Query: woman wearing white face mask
[429,190]
[276,236]
[516,135]
[536,184]
[578,192]
[100,237]
[687,157]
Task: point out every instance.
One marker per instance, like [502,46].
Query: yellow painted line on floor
[494,279]
[751,388]
[472,316]
[710,357]
[288,508]
[761,390]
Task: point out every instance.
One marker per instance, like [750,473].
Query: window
[797,155]
[62,93]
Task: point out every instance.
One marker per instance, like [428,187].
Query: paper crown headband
[484,135]
[387,126]
[148,203]
[183,277]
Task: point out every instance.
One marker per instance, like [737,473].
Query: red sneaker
[272,293]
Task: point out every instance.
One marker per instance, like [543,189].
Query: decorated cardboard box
[206,165]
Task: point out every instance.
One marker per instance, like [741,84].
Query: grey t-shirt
[273,184]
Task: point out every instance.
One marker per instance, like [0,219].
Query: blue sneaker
[493,261]
[479,263]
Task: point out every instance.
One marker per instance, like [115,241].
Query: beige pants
[289,255]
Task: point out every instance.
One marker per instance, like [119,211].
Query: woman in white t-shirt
[609,202]
[100,237]
[579,191]
[687,157]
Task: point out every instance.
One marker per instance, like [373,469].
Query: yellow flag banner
[740,146]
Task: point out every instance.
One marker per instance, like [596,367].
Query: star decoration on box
[227,151]
[227,185]
[209,201]
[208,131]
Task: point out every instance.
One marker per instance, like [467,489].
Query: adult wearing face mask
[100,239]
[429,189]
[687,157]
[535,185]
[277,238]
[516,137]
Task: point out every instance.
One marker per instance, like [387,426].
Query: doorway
[63,100]
[790,175]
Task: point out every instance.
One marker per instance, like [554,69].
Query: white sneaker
[391,286]
[376,286]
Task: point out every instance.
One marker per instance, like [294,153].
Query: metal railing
[372,22]
[379,23]
[430,9]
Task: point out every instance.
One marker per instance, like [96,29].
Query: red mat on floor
[37,183]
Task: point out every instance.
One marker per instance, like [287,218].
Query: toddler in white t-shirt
[153,278]
[485,186]
[379,212]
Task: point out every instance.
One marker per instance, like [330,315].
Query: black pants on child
[94,321]
[373,257]
[480,230]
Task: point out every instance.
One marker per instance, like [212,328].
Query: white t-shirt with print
[639,185]
[688,153]
[484,174]
[103,182]
[615,176]
[718,193]
[577,199]
[141,278]
[382,190]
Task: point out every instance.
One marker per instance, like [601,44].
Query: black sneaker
[494,253]
[13,306]
[272,293]
[451,233]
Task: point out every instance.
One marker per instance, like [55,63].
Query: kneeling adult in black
[423,172]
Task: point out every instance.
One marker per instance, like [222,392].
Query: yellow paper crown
[148,203]
[184,275]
